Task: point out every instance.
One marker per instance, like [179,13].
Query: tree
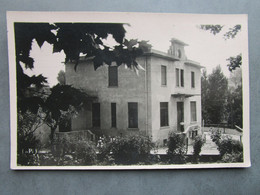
[74,39]
[204,96]
[216,96]
[61,77]
[235,61]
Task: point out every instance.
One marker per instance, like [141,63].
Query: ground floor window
[164,114]
[133,115]
[96,114]
[193,111]
[113,114]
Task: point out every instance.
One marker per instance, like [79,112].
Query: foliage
[70,151]
[230,150]
[74,39]
[204,96]
[214,29]
[235,107]
[61,77]
[233,157]
[176,148]
[26,140]
[234,62]
[216,135]
[197,145]
[214,90]
[128,150]
[229,146]
[232,32]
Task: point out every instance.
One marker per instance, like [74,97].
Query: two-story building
[164,97]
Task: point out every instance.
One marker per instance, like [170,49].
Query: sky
[203,47]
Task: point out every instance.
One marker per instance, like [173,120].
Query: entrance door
[180,116]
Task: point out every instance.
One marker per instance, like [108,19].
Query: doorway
[180,116]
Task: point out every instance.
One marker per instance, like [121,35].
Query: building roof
[164,55]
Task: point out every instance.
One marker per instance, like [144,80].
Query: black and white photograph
[97,90]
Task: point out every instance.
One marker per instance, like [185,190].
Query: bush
[229,146]
[70,151]
[233,157]
[127,150]
[216,135]
[197,145]
[176,148]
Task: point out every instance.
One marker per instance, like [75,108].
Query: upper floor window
[192,79]
[163,75]
[193,111]
[182,78]
[113,76]
[179,77]
[179,53]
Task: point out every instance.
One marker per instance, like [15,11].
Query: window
[179,53]
[96,114]
[112,76]
[193,111]
[192,79]
[164,75]
[182,78]
[113,114]
[133,115]
[177,77]
[164,114]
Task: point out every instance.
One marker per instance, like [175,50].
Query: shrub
[70,151]
[128,150]
[216,135]
[176,148]
[229,146]
[197,145]
[233,157]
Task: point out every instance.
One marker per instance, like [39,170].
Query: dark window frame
[163,75]
[133,115]
[164,114]
[192,79]
[193,111]
[113,115]
[113,76]
[96,115]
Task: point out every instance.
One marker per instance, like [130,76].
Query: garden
[130,150]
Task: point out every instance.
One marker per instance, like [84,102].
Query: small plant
[197,145]
[176,148]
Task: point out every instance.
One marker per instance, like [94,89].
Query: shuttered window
[112,76]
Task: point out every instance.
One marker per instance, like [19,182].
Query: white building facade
[164,97]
